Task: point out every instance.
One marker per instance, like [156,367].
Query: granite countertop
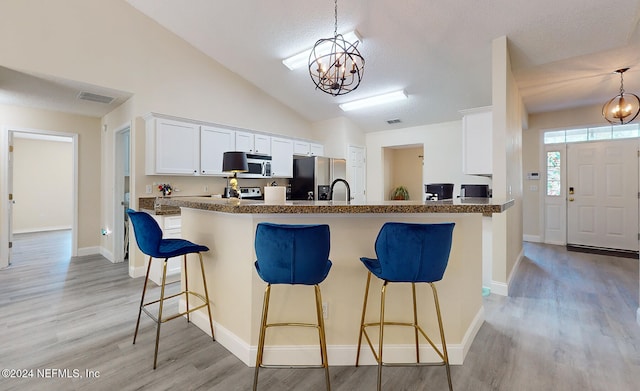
[486,206]
[153,207]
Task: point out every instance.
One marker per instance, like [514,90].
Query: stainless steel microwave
[259,167]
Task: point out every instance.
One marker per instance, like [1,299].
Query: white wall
[508,114]
[42,185]
[442,156]
[336,134]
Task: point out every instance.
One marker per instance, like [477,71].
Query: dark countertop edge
[217,205]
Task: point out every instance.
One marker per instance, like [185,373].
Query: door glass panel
[553,173]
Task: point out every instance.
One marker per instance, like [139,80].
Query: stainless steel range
[251,193]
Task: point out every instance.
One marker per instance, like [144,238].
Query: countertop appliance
[481,191]
[312,178]
[438,191]
[251,193]
[259,167]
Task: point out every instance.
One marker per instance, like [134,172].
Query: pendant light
[624,107]
[335,64]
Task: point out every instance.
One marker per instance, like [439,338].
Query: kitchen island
[236,291]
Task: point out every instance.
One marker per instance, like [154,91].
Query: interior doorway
[40,179]
[122,183]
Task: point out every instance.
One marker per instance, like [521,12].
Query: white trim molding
[338,355]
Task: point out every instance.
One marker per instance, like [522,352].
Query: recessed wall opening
[403,165]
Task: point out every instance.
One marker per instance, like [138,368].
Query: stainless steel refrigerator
[312,177]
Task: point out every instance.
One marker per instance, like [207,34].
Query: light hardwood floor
[569,324]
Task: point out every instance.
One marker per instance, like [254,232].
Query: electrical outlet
[325,310]
[148,189]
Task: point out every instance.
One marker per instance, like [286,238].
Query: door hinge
[11,243]
[11,148]
[10,196]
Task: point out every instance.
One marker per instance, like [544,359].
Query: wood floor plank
[569,324]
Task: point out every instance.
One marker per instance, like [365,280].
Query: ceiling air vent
[394,121]
[95,97]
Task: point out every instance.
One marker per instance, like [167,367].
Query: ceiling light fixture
[302,59]
[623,108]
[338,71]
[374,100]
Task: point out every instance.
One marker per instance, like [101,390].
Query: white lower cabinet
[171,229]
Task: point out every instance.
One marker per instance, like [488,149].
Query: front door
[602,194]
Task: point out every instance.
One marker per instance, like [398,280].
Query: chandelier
[335,65]
[623,108]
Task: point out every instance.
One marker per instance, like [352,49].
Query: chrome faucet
[345,183]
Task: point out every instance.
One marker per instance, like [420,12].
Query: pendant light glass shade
[623,108]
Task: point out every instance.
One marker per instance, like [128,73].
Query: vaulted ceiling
[563,53]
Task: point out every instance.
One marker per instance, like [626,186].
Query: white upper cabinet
[301,148]
[244,142]
[172,147]
[304,148]
[253,143]
[262,144]
[477,141]
[214,142]
[316,149]
[282,157]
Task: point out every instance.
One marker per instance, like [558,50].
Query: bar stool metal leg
[206,295]
[186,285]
[364,312]
[444,344]
[144,290]
[415,320]
[323,341]
[383,294]
[263,329]
[164,280]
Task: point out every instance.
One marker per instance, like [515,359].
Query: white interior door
[602,183]
[357,173]
[555,199]
[11,200]
[121,193]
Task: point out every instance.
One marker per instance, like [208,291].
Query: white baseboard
[135,272]
[338,355]
[555,243]
[90,251]
[532,238]
[501,288]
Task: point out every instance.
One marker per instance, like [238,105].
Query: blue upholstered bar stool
[149,238]
[409,253]
[292,254]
